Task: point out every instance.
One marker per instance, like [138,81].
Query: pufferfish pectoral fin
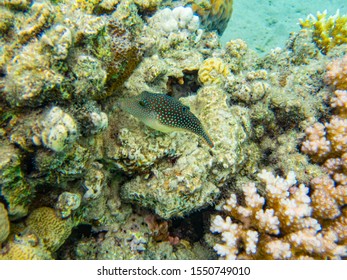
[164,113]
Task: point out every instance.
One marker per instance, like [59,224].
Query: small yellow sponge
[213,71]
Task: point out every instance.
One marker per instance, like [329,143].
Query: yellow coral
[327,32]
[24,247]
[213,71]
[4,224]
[214,14]
[51,230]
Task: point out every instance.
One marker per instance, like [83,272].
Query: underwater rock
[127,241]
[90,76]
[94,182]
[30,79]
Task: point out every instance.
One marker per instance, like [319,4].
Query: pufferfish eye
[142,103]
[185,109]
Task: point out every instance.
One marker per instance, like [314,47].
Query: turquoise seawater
[266,24]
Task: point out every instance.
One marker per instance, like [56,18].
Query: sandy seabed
[266,24]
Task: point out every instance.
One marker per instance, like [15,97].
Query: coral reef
[328,32]
[277,225]
[71,159]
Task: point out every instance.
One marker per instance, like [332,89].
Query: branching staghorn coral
[327,144]
[328,141]
[277,225]
[327,32]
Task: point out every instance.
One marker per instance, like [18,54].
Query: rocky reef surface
[82,179]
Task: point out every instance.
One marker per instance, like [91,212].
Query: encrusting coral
[277,225]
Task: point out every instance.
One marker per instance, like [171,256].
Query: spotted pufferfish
[164,113]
